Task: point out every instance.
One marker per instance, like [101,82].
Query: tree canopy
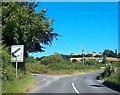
[21,25]
[110,53]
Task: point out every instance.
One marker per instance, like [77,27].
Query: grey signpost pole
[17,55]
[16,66]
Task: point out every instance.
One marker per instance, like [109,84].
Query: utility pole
[83,55]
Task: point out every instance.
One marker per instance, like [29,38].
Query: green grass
[112,82]
[112,79]
[21,85]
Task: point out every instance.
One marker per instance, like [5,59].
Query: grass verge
[19,85]
[112,82]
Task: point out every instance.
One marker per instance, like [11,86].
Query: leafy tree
[39,59]
[30,59]
[111,54]
[106,52]
[104,59]
[66,57]
[115,51]
[74,61]
[71,53]
[59,58]
[118,55]
[98,55]
[88,55]
[7,71]
[56,53]
[22,25]
[76,56]
[91,62]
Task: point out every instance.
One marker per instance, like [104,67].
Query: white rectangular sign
[17,51]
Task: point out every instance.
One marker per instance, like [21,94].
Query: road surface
[83,83]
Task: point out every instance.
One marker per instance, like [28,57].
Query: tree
[111,54]
[22,25]
[97,55]
[104,59]
[66,57]
[106,52]
[52,59]
[91,62]
[37,58]
[88,55]
[30,59]
[7,70]
[74,61]
[116,51]
[118,55]
[56,53]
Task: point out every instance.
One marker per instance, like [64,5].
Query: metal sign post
[16,66]
[17,55]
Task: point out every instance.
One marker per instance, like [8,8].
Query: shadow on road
[97,85]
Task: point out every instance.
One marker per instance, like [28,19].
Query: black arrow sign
[15,52]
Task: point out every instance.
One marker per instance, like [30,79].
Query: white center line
[75,88]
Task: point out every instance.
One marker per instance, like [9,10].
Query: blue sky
[83,25]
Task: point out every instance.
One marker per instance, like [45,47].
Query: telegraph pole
[83,55]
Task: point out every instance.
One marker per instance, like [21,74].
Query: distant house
[94,54]
[77,59]
[99,59]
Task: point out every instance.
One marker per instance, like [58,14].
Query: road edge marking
[75,88]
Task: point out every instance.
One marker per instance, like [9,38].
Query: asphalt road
[83,83]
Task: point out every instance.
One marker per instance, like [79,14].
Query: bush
[57,58]
[8,71]
[37,68]
[118,72]
[11,84]
[30,59]
[74,61]
[91,62]
[59,66]
[112,73]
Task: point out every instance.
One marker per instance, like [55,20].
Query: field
[112,59]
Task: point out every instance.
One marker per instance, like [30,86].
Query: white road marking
[75,88]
